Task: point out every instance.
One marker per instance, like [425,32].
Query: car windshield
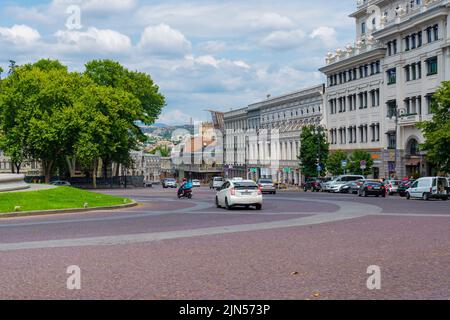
[218,179]
[245,186]
[170,180]
[373,184]
[265,181]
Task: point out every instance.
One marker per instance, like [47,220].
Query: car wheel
[258,207]
[445,199]
[217,203]
[425,196]
[227,205]
[408,196]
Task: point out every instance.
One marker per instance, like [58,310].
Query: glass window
[432,66]
[392,76]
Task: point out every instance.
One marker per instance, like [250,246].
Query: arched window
[413,147]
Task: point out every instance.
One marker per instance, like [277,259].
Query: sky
[215,54]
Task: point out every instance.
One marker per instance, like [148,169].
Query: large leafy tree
[437,131]
[108,73]
[355,159]
[334,163]
[313,151]
[34,104]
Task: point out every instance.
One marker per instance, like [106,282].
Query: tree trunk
[18,166]
[71,164]
[94,174]
[47,166]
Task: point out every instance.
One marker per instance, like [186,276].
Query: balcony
[409,119]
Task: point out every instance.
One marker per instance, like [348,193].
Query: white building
[146,165]
[263,140]
[380,87]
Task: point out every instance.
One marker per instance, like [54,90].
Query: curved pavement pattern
[300,246]
[348,210]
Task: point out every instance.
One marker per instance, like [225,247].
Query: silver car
[267,186]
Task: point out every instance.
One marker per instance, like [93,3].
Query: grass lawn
[57,198]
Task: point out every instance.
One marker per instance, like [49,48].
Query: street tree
[108,73]
[313,151]
[437,131]
[355,160]
[34,103]
[107,126]
[334,164]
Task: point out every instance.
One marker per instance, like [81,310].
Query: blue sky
[203,54]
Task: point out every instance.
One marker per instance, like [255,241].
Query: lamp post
[317,132]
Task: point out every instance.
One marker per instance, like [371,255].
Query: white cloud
[283,40]
[94,40]
[212,46]
[109,5]
[20,35]
[163,40]
[175,117]
[327,35]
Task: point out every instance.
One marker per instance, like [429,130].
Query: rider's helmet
[184,179]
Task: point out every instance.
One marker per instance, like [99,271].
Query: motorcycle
[186,193]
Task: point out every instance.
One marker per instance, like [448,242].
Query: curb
[63,211]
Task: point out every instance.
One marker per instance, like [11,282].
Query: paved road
[300,246]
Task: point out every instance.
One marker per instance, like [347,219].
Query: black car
[405,185]
[371,188]
[313,185]
[351,187]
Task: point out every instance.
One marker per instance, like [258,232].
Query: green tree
[109,73]
[334,164]
[313,149]
[33,102]
[354,164]
[163,150]
[1,71]
[437,131]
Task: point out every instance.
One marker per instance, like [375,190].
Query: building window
[432,66]
[413,147]
[429,101]
[407,73]
[392,141]
[392,76]
[392,109]
[363,28]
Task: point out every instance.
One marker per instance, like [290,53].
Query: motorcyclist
[184,186]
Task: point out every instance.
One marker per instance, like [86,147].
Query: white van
[428,188]
[336,184]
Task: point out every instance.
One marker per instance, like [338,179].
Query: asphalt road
[300,246]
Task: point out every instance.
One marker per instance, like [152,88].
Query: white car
[429,187]
[196,183]
[336,184]
[239,193]
[216,183]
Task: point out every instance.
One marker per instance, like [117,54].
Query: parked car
[267,185]
[148,184]
[336,184]
[60,183]
[371,188]
[392,186]
[429,188]
[169,183]
[216,183]
[351,187]
[239,193]
[323,183]
[404,185]
[196,183]
[313,185]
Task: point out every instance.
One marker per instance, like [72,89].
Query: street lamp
[318,132]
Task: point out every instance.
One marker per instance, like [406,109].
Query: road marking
[351,211]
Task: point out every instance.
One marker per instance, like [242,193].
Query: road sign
[363,164]
[344,163]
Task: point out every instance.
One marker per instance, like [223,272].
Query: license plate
[377,188]
[246,193]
